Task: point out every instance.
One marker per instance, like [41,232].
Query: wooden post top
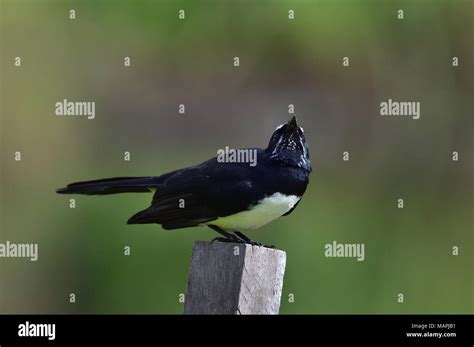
[234,278]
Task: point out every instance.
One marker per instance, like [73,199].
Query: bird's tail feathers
[111,186]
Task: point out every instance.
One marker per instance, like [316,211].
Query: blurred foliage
[300,62]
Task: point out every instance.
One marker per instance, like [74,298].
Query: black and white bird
[228,197]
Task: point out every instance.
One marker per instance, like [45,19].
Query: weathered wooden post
[234,278]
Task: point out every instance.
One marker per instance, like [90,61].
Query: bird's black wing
[200,194]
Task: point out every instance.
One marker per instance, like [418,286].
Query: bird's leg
[245,238]
[228,237]
[249,241]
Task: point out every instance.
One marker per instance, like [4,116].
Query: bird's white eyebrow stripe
[280,126]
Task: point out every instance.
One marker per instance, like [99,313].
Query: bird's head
[288,145]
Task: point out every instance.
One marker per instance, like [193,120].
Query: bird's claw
[236,240]
[258,244]
[227,240]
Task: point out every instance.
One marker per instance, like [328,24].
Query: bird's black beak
[292,125]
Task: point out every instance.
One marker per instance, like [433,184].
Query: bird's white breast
[260,214]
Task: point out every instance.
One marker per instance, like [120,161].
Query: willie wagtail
[227,197]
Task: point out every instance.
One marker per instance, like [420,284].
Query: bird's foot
[236,237]
[236,240]
[227,239]
[253,243]
[249,241]
[269,246]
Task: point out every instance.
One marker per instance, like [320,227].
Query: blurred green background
[282,62]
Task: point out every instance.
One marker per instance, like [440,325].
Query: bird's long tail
[111,186]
